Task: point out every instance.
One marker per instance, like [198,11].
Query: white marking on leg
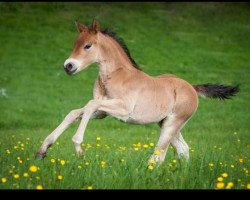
[180,146]
[50,139]
[169,129]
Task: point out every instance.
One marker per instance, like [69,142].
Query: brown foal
[125,92]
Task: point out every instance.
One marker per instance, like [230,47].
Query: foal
[128,94]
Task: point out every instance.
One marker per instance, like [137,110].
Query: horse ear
[80,27]
[95,26]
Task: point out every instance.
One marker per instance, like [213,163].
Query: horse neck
[111,57]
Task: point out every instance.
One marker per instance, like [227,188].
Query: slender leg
[114,107]
[180,146]
[50,139]
[170,127]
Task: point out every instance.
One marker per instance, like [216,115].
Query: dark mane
[122,44]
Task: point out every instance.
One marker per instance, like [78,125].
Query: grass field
[200,42]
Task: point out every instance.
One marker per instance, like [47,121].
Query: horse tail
[219,91]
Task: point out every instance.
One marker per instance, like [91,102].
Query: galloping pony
[125,92]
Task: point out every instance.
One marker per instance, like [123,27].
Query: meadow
[199,42]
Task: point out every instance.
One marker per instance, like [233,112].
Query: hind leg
[180,146]
[170,128]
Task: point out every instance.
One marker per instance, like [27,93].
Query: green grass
[200,42]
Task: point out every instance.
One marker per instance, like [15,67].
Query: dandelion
[152,161]
[220,185]
[52,160]
[86,163]
[157,152]
[241,160]
[229,185]
[39,187]
[174,161]
[248,186]
[150,167]
[98,138]
[59,177]
[122,160]
[225,175]
[16,176]
[8,151]
[136,148]
[33,168]
[151,144]
[62,162]
[79,167]
[98,145]
[219,179]
[90,187]
[3,180]
[103,163]
[232,166]
[25,174]
[145,146]
[211,164]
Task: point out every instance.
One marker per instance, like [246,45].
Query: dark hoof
[40,156]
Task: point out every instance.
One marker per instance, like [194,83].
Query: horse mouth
[70,72]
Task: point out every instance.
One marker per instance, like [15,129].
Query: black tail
[219,91]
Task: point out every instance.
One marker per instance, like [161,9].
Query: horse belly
[149,112]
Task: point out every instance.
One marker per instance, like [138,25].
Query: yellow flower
[248,186]
[150,167]
[98,145]
[232,166]
[229,185]
[152,161]
[59,177]
[211,164]
[39,187]
[3,180]
[151,144]
[52,160]
[220,185]
[33,168]
[174,161]
[157,152]
[225,175]
[16,176]
[8,151]
[220,179]
[62,162]
[86,163]
[79,167]
[241,160]
[90,187]
[103,162]
[25,174]
[98,138]
[136,148]
[145,146]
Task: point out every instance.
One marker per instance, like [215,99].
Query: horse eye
[87,46]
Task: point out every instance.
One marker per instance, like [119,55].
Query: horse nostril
[69,66]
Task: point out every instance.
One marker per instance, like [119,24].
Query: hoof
[40,156]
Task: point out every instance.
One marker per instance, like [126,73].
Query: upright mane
[121,42]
